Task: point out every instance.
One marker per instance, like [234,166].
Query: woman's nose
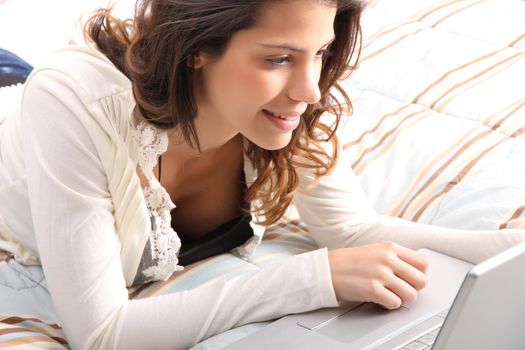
[304,85]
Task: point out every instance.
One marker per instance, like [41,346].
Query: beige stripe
[514,216]
[443,167]
[60,340]
[447,4]
[518,224]
[418,97]
[456,155]
[515,42]
[426,90]
[29,330]
[371,55]
[476,76]
[457,179]
[456,12]
[15,330]
[442,78]
[134,291]
[156,287]
[291,226]
[495,127]
[365,57]
[387,30]
[17,319]
[352,143]
[388,146]
[513,107]
[464,172]
[370,131]
[25,341]
[510,114]
[385,136]
[398,207]
[478,81]
[518,132]
[272,236]
[447,74]
[416,19]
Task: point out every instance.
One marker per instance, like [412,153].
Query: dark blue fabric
[13,69]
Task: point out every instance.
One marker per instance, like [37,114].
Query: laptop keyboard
[421,337]
[424,342]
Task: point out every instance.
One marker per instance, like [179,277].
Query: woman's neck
[182,151]
[185,171]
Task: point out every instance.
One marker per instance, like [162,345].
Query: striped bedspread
[436,136]
[437,133]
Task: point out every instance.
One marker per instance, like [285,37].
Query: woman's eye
[282,60]
[279,60]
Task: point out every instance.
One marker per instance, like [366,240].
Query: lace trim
[164,241]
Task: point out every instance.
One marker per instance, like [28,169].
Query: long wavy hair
[153,50]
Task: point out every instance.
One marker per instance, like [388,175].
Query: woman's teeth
[280,116]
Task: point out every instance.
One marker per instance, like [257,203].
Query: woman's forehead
[298,11]
[294,21]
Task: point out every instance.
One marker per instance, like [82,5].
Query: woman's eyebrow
[290,47]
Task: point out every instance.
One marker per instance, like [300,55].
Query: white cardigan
[70,198]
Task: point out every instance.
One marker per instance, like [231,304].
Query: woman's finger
[403,289]
[410,274]
[385,297]
[412,257]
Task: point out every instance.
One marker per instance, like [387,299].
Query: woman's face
[267,76]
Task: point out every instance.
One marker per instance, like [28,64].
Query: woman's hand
[383,273]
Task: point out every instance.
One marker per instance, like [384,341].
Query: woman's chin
[275,144]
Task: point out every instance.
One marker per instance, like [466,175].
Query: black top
[222,239]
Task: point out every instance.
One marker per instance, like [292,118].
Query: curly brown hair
[153,50]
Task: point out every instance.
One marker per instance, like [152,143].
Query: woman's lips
[286,121]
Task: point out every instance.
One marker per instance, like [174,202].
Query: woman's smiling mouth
[286,121]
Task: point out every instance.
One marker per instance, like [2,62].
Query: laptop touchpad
[368,321]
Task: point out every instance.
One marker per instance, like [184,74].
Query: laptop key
[428,339]
[435,332]
[412,334]
[444,313]
[415,345]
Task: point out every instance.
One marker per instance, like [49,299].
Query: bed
[437,136]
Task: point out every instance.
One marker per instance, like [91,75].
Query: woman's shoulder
[88,83]
[83,69]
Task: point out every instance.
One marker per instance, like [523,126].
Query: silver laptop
[488,312]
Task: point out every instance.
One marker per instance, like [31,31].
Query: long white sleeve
[337,213]
[74,225]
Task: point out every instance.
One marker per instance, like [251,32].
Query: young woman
[182,134]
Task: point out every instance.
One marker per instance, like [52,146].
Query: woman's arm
[369,266]
[338,214]
[79,249]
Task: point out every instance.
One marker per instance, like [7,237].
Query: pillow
[13,69]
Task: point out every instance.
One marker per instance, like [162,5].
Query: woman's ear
[196,60]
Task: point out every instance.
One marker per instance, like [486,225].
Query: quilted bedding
[437,136]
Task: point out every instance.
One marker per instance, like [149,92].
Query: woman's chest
[207,193]
[200,210]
